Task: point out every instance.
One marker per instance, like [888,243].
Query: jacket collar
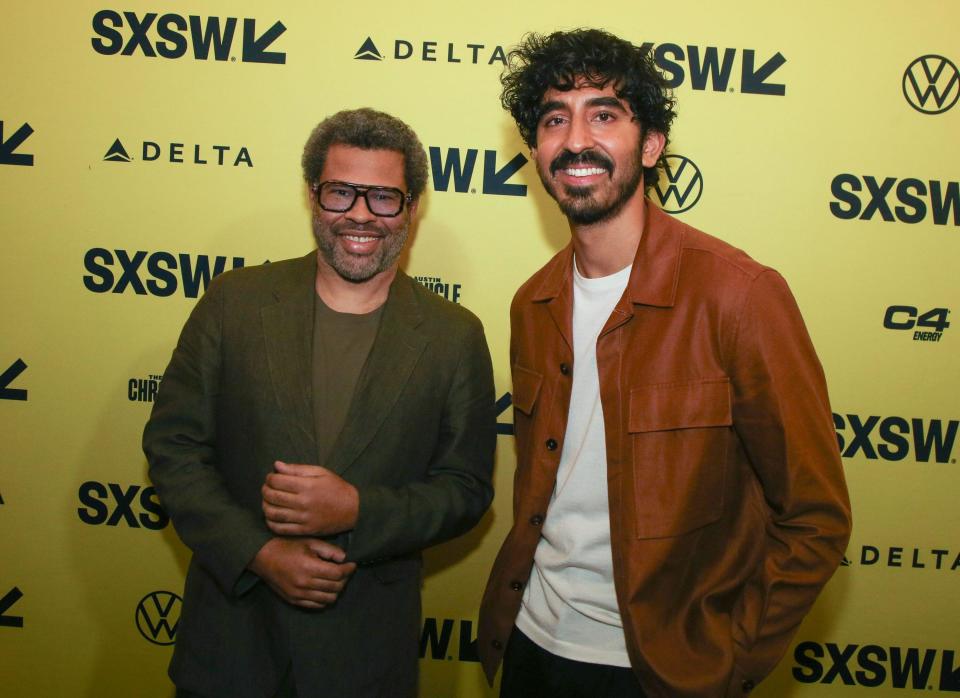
[656,266]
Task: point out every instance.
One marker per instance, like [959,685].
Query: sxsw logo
[152,151]
[173,35]
[433,52]
[457,167]
[932,323]
[503,403]
[680,185]
[9,145]
[436,636]
[915,200]
[712,68]
[931,84]
[165,272]
[8,620]
[7,377]
[911,558]
[143,389]
[897,437]
[111,503]
[436,284]
[874,666]
[158,616]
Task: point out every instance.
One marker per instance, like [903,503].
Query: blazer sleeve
[457,489]
[782,416]
[180,442]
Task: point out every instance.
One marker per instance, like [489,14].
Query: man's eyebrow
[550,106]
[607,102]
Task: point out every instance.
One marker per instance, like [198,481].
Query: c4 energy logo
[874,666]
[916,200]
[8,620]
[459,165]
[931,559]
[180,153]
[435,640]
[931,84]
[680,186]
[173,35]
[434,52]
[158,616]
[7,377]
[111,503]
[712,68]
[166,272]
[9,145]
[927,326]
[922,440]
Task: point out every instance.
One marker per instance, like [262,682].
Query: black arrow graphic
[254,48]
[495,181]
[6,602]
[502,404]
[7,156]
[949,673]
[16,368]
[754,81]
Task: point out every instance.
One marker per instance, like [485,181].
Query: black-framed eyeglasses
[339,197]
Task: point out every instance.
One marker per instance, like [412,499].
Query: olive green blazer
[418,444]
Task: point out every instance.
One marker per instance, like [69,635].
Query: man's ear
[653,144]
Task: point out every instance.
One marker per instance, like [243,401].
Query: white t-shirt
[570,605]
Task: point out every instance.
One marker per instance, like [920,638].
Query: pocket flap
[526,388]
[665,406]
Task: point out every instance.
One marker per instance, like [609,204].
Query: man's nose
[360,212]
[579,136]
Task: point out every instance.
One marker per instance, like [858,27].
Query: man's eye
[385,195]
[605,116]
[553,121]
[344,193]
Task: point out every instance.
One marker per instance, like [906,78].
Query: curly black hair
[370,130]
[565,59]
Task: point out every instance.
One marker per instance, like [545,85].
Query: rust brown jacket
[728,506]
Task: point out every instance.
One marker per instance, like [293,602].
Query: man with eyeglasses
[322,420]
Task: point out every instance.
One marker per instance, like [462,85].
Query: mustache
[567,159]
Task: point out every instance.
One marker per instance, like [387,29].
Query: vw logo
[931,84]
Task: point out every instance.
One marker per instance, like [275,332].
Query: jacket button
[565,369]
[536,519]
[748,685]
[516,586]
[551,444]
[497,645]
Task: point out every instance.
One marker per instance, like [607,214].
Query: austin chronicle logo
[158,615]
[680,186]
[931,84]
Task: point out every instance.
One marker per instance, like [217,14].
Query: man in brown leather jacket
[679,499]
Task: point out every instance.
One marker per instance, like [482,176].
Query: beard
[587,205]
[358,268]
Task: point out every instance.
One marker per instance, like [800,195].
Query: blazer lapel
[288,333]
[395,352]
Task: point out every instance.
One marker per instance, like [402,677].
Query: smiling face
[357,244]
[589,153]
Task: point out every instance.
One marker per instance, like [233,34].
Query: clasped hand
[308,500]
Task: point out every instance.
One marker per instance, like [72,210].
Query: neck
[352,297]
[606,247]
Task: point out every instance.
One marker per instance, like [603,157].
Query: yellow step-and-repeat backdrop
[147,146]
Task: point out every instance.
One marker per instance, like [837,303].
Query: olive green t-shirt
[341,344]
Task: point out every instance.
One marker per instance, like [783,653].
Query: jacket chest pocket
[680,434]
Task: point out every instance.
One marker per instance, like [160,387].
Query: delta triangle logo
[368,52]
[117,153]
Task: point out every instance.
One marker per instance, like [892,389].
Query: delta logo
[181,153]
[173,36]
[897,556]
[433,52]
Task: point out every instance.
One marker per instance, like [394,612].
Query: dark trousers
[529,671]
[286,689]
